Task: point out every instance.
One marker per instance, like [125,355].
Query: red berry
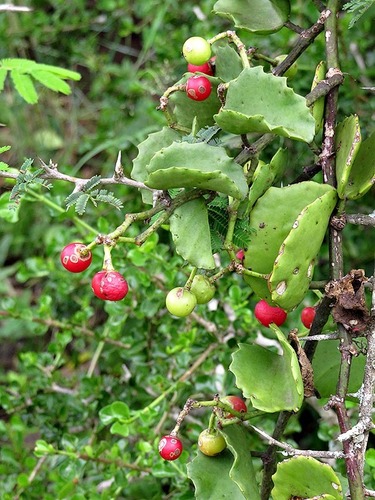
[307,316]
[236,403]
[267,314]
[109,285]
[72,260]
[240,254]
[202,68]
[170,447]
[198,88]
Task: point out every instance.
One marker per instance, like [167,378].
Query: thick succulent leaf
[186,165]
[191,234]
[258,16]
[227,63]
[271,381]
[347,142]
[362,174]
[272,219]
[240,442]
[293,267]
[326,365]
[261,102]
[186,111]
[146,150]
[211,479]
[317,108]
[266,175]
[305,477]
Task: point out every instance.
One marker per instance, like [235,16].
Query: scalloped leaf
[199,165]
[146,150]
[305,477]
[271,106]
[257,16]
[271,381]
[272,227]
[191,233]
[240,442]
[227,63]
[293,267]
[211,479]
[24,86]
[362,173]
[347,142]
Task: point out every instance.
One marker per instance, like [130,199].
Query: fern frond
[108,197]
[72,199]
[52,81]
[358,8]
[92,183]
[80,206]
[24,86]
[25,179]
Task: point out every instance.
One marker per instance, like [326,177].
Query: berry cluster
[106,284]
[211,441]
[181,301]
[267,314]
[197,52]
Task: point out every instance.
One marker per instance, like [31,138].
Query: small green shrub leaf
[362,173]
[305,477]
[270,106]
[113,412]
[51,81]
[24,86]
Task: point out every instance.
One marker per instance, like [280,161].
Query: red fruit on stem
[109,285]
[240,254]
[202,68]
[72,259]
[170,447]
[267,314]
[198,88]
[236,403]
[307,316]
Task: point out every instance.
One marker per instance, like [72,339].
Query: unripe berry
[170,447]
[198,88]
[202,68]
[72,259]
[196,50]
[307,316]
[211,442]
[180,302]
[109,285]
[267,314]
[202,288]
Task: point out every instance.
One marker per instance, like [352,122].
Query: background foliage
[66,355]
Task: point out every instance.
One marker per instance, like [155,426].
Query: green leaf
[115,411]
[240,442]
[271,381]
[184,165]
[3,74]
[120,428]
[347,143]
[211,478]
[43,448]
[146,150]
[317,108]
[24,86]
[227,63]
[272,226]
[258,16]
[7,214]
[305,477]
[52,81]
[19,64]
[265,175]
[60,72]
[4,148]
[362,173]
[271,106]
[293,267]
[326,365]
[191,234]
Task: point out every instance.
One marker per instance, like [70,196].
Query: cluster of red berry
[197,52]
[267,314]
[210,441]
[106,285]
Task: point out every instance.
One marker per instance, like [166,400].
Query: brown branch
[361,219]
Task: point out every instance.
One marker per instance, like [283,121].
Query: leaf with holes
[293,267]
[191,234]
[362,173]
[305,477]
[258,16]
[270,106]
[272,381]
[271,227]
[199,165]
[347,144]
